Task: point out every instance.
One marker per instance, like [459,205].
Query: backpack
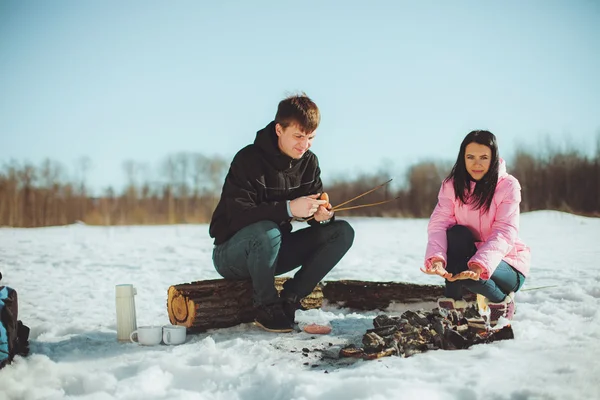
[14,336]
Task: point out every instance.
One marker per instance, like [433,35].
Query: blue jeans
[261,251]
[461,247]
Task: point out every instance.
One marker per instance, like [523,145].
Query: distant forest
[189,188]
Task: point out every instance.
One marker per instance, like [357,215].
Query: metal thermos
[126,322]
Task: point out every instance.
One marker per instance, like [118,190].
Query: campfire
[417,332]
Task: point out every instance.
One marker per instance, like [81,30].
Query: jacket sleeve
[316,185]
[243,206]
[505,229]
[441,219]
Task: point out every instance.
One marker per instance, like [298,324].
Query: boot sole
[284,330]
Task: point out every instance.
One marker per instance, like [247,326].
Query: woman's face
[478,158]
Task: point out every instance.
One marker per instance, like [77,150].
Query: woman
[473,231]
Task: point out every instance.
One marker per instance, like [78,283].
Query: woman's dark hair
[482,195]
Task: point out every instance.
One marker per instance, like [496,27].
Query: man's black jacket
[260,180]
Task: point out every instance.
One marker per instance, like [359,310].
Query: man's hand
[304,207]
[323,214]
[437,268]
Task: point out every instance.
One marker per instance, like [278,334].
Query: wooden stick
[538,288]
[336,208]
[361,195]
[365,205]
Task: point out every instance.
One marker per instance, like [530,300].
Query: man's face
[292,141]
[477,160]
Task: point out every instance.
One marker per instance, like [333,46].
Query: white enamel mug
[174,334]
[147,335]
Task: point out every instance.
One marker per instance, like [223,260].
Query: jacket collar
[502,169]
[266,140]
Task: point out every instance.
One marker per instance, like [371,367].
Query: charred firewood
[373,342]
[417,332]
[454,340]
[415,318]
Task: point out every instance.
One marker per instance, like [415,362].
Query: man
[269,183]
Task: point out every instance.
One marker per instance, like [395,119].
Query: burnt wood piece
[416,332]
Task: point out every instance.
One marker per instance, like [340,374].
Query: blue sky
[397,82]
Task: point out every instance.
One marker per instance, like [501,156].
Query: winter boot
[290,303]
[480,317]
[271,318]
[447,303]
[506,309]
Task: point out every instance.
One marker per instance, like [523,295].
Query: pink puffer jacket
[495,232]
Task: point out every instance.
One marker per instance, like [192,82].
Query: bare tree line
[185,192]
[188,188]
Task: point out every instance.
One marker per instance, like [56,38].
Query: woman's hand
[437,268]
[473,272]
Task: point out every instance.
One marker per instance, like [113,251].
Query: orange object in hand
[325,196]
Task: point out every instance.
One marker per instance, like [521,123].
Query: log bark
[221,303]
[363,295]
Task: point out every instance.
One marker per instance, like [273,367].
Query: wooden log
[363,295]
[220,303]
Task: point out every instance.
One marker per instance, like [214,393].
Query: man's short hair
[298,109]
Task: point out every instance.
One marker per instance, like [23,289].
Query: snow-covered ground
[66,278]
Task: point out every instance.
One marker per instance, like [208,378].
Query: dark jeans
[461,247]
[261,251]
